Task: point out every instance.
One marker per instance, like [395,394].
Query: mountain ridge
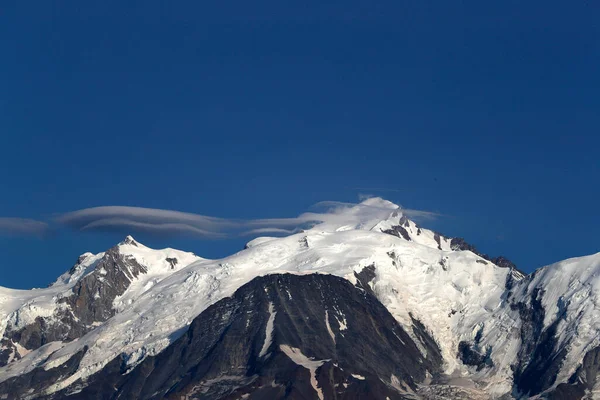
[494,327]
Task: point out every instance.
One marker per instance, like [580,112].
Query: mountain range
[368,305]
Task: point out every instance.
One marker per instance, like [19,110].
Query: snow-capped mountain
[364,305]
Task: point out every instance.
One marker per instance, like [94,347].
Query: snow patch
[329,326]
[342,322]
[268,331]
[300,359]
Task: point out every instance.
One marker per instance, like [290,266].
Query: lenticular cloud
[126,219]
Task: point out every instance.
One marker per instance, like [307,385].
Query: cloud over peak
[126,219]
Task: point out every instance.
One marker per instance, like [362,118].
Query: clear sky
[485,112]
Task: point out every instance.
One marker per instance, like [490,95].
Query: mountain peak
[130,241]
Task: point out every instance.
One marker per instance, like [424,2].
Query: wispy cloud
[169,222]
[420,214]
[166,228]
[140,219]
[364,196]
[22,227]
[142,213]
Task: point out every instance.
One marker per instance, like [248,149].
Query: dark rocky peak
[88,303]
[279,336]
[94,294]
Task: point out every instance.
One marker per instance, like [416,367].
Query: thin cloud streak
[421,214]
[167,228]
[407,211]
[150,215]
[23,227]
[127,219]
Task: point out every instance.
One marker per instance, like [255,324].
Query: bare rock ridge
[458,244]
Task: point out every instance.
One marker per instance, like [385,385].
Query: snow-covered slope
[479,314]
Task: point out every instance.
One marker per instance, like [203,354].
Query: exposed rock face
[470,355]
[90,302]
[461,244]
[437,238]
[173,261]
[93,295]
[582,381]
[279,336]
[404,221]
[539,359]
[31,385]
[8,352]
[364,277]
[398,231]
[432,350]
[458,244]
[503,262]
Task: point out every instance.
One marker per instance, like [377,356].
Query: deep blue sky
[486,113]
